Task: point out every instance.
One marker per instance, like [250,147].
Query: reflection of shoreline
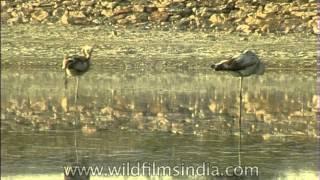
[175,102]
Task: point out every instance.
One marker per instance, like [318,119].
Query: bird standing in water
[243,65]
[77,65]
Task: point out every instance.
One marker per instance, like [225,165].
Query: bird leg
[239,149]
[76,90]
[65,80]
[240,114]
[240,97]
[75,120]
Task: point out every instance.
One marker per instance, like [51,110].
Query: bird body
[76,65]
[245,64]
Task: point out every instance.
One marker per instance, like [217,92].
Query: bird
[77,65]
[243,65]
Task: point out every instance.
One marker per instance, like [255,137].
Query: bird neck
[87,54]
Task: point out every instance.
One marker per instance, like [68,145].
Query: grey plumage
[76,65]
[245,64]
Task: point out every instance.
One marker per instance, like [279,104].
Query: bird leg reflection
[240,114]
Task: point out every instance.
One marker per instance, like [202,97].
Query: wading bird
[77,65]
[243,65]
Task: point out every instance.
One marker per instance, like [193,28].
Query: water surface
[161,116]
[149,97]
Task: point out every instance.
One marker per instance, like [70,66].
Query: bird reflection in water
[75,66]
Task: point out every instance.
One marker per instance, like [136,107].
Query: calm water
[148,114]
[166,117]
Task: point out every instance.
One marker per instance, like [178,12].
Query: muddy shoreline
[136,48]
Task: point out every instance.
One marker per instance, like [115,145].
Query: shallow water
[149,97]
[161,116]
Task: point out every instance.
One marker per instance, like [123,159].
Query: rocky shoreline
[244,16]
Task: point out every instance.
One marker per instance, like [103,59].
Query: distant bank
[259,16]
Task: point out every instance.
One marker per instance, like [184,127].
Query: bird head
[221,65]
[87,51]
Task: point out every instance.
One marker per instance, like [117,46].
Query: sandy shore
[136,48]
